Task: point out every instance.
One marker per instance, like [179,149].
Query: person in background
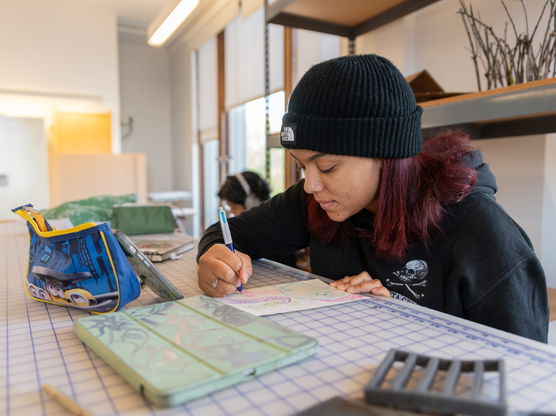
[384,213]
[244,191]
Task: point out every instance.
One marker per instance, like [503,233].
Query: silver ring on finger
[214,283]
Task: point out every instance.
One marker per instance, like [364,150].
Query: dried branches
[504,64]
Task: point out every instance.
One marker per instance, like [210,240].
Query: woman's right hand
[221,270]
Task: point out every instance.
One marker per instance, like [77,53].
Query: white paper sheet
[288,297]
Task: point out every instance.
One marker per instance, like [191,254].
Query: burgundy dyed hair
[412,195]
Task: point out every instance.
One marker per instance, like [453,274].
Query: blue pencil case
[82,267]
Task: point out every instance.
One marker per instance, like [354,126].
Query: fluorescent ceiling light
[159,35]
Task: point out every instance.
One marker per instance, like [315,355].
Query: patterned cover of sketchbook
[176,351]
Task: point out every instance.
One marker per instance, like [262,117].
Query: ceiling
[132,13]
[136,13]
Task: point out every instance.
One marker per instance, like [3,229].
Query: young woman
[383,214]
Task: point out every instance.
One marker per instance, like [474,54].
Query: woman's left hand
[361,283]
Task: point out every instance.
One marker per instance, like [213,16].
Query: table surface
[38,346]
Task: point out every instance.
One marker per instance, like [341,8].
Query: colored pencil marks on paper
[288,297]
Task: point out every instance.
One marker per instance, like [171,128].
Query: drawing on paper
[288,297]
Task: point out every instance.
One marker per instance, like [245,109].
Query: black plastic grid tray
[447,398]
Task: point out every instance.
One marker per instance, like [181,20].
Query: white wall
[58,58]
[23,162]
[145,96]
[526,174]
[548,243]
[434,38]
[519,166]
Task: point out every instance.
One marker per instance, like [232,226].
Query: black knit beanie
[353,105]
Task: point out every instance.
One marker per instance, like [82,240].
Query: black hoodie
[481,266]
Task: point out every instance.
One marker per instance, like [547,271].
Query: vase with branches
[528,56]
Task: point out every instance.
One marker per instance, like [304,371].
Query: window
[277,168]
[248,139]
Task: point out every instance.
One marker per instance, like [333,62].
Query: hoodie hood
[486,182]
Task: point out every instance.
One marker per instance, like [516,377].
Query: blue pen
[227,236]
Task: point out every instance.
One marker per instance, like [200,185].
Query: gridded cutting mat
[37,345]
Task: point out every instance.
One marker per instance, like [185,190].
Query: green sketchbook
[176,351]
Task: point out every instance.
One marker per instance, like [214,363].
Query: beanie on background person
[356,106]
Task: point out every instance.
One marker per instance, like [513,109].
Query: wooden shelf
[349,18]
[521,109]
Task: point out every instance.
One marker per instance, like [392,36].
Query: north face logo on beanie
[287,135]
